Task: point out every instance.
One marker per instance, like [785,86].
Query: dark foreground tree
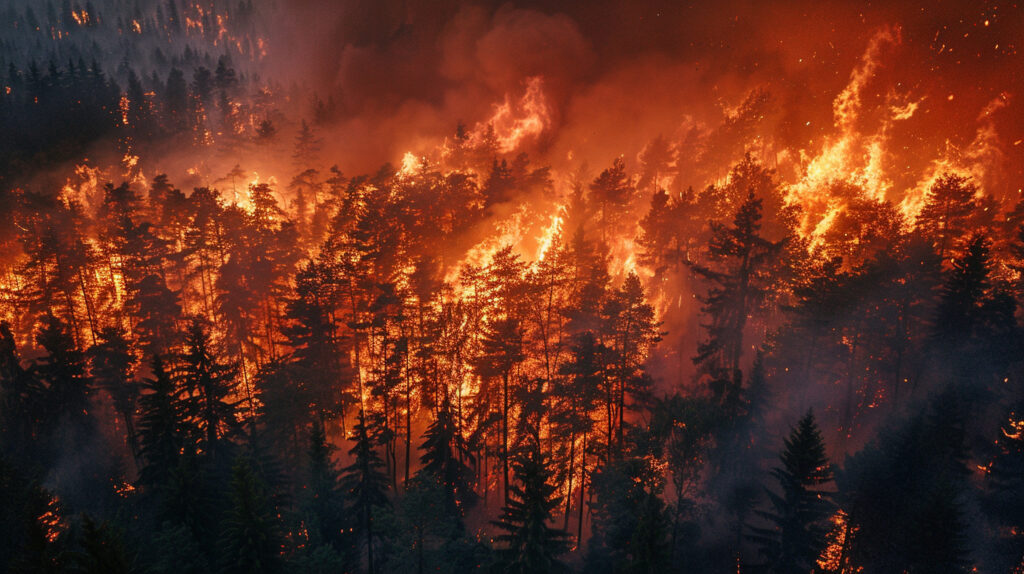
[365,484]
[798,517]
[529,544]
[444,453]
[250,542]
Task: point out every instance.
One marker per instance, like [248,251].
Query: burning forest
[530,286]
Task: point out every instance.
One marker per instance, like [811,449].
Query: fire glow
[512,288]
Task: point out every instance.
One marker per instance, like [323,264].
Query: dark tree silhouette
[250,540]
[529,544]
[209,384]
[799,513]
[740,281]
[444,460]
[365,484]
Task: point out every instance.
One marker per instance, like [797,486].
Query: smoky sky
[618,73]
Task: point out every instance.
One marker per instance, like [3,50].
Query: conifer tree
[1004,498]
[529,544]
[957,314]
[444,453]
[163,429]
[113,370]
[63,371]
[365,484]
[102,550]
[209,383]
[21,401]
[740,281]
[948,211]
[799,513]
[324,504]
[250,540]
[502,352]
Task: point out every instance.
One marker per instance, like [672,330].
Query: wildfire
[411,165]
[851,156]
[832,558]
[51,521]
[978,161]
[550,234]
[515,122]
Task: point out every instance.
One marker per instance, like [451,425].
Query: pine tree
[113,370]
[250,540]
[163,429]
[325,504]
[365,484]
[102,550]
[613,193]
[26,545]
[576,395]
[443,461]
[798,516]
[740,283]
[21,401]
[63,371]
[307,147]
[502,350]
[630,526]
[957,313]
[209,384]
[940,543]
[529,544]
[630,331]
[948,211]
[1004,498]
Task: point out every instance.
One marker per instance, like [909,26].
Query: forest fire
[518,287]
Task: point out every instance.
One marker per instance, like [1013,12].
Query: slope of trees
[341,376]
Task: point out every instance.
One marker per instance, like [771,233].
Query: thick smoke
[405,73]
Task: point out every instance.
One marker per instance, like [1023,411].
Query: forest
[222,352]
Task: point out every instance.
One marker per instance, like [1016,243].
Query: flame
[547,239]
[51,521]
[1016,430]
[512,123]
[978,161]
[124,105]
[831,558]
[850,156]
[411,165]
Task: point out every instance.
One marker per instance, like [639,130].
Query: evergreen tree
[613,193]
[630,526]
[63,371]
[324,504]
[948,211]
[629,332]
[1004,499]
[21,402]
[250,541]
[502,350]
[27,545]
[529,544]
[799,514]
[209,384]
[957,313]
[102,550]
[113,370]
[740,283]
[163,428]
[443,461]
[307,147]
[940,544]
[365,484]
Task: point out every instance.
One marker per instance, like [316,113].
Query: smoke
[404,73]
